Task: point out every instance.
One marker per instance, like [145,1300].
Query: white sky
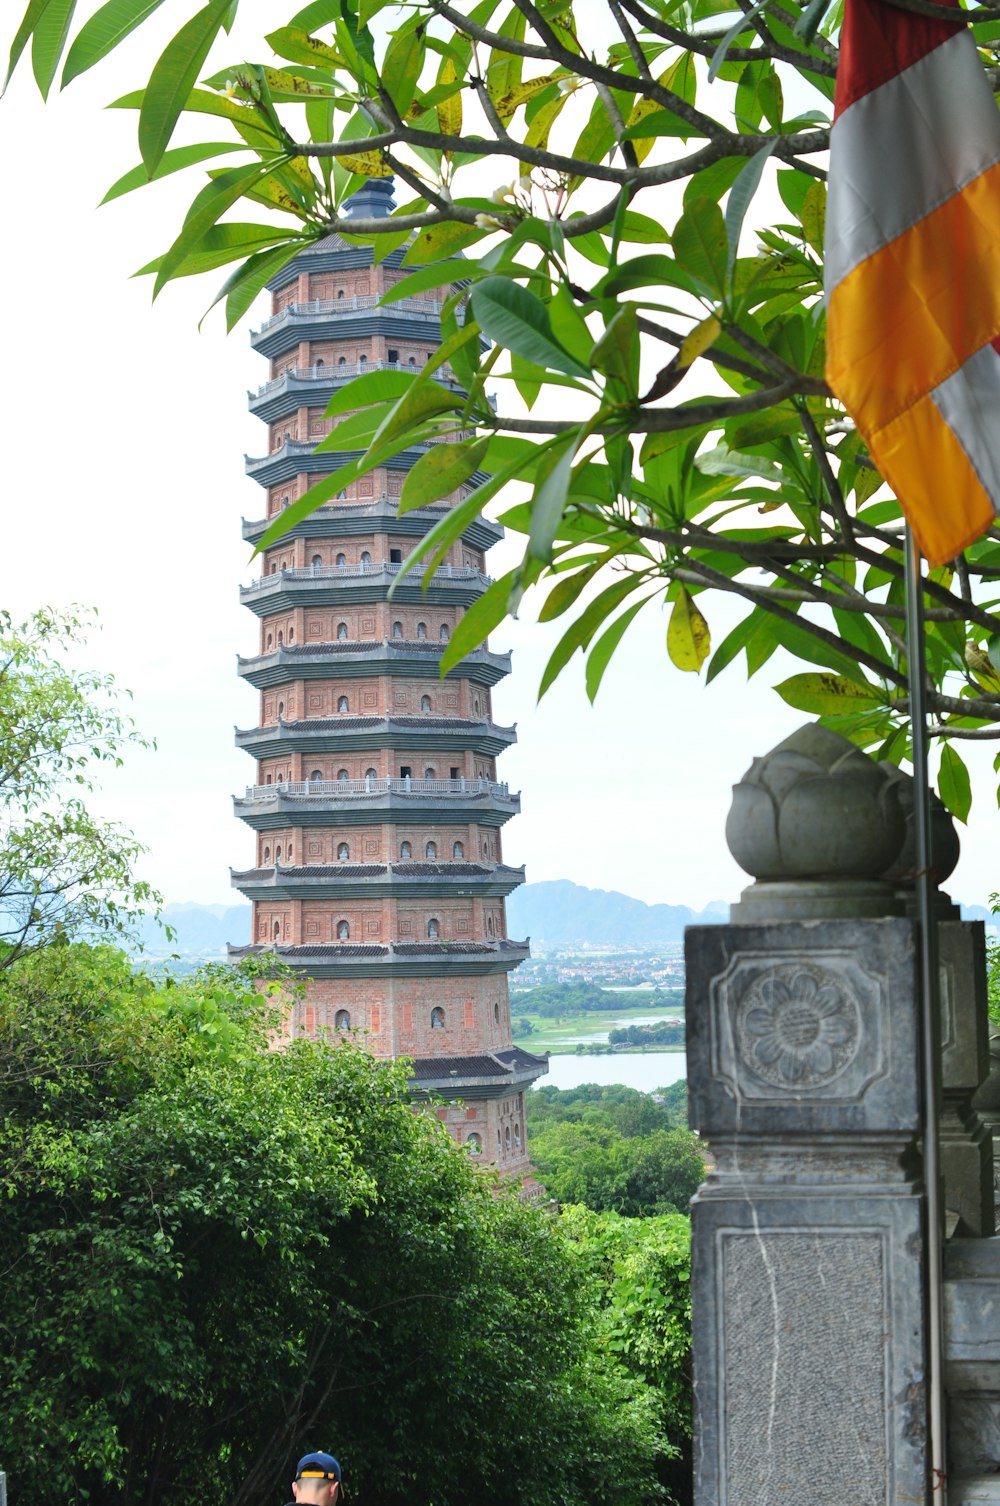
[126,430]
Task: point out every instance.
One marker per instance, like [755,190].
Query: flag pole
[930,1027]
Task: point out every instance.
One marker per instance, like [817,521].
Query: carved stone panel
[807,1026]
[805,1377]
[809,1366]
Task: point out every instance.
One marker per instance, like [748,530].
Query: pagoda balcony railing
[360,788]
[383,568]
[314,306]
[323,373]
[292,446]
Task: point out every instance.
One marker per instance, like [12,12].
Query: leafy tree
[598,167]
[215,1253]
[613,1149]
[663,1032]
[63,872]
[642,1272]
[556,1000]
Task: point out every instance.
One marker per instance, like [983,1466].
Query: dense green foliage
[557,1000]
[615,1148]
[640,1269]
[598,165]
[64,873]
[662,1033]
[216,1254]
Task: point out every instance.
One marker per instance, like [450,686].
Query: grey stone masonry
[808,1255]
[966,1139]
[808,1272]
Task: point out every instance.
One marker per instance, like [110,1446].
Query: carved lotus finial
[945,845]
[815,807]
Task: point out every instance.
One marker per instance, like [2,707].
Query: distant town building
[376,807]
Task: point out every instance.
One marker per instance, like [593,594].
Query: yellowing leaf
[512,99]
[538,130]
[826,694]
[982,668]
[449,111]
[698,341]
[368,164]
[280,82]
[814,216]
[688,637]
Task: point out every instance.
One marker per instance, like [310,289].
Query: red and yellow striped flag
[913,267]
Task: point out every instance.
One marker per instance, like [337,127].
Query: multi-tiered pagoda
[379,870]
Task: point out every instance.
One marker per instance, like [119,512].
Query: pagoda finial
[371,202]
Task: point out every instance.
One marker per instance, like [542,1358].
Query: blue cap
[317,1467]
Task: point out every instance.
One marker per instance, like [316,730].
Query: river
[645,1070]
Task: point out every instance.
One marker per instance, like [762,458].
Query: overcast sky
[126,431]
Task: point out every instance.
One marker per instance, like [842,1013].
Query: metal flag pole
[930,1028]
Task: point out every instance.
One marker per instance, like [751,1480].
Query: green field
[562,1036]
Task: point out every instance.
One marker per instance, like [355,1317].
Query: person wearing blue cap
[317,1481]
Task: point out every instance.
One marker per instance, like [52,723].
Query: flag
[913,266]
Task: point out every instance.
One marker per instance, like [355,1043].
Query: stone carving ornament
[798,1026]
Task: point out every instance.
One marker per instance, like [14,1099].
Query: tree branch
[705,45]
[703,574]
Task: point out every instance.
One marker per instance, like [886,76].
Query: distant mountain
[202,930]
[560,913]
[554,913]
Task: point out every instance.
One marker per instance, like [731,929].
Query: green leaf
[171,162]
[826,695]
[246,282]
[445,532]
[600,654]
[548,502]
[701,246]
[440,471]
[438,241]
[722,461]
[733,644]
[739,25]
[424,400]
[954,785]
[30,19]
[223,244]
[103,31]
[616,353]
[206,208]
[475,625]
[403,61]
[423,279]
[688,637]
[48,41]
[740,196]
[579,633]
[517,320]
[173,78]
[568,588]
[811,19]
[356,431]
[372,387]
[321,493]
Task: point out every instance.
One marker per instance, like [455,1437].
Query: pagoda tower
[376,808]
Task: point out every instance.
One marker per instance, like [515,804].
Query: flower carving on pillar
[798,1026]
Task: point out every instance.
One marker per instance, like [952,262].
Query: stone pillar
[803,1076]
[966,1140]
[987,1105]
